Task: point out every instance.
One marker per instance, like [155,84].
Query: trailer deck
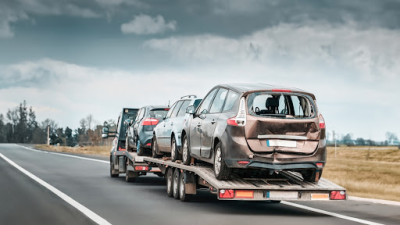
[287,186]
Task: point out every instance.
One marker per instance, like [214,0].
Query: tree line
[20,125]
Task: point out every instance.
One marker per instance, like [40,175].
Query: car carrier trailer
[184,181]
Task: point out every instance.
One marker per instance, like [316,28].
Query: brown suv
[256,128]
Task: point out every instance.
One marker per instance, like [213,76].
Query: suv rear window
[280,105]
[158,113]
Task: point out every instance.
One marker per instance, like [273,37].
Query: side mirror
[190,109]
[104,132]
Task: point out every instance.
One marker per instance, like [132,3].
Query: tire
[139,148]
[311,175]
[175,184]
[154,148]
[130,176]
[174,150]
[182,188]
[170,182]
[221,171]
[113,172]
[185,151]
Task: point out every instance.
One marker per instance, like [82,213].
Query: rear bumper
[254,164]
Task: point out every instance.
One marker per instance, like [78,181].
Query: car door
[137,123]
[209,123]
[167,126]
[196,123]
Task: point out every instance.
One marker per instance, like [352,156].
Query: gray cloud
[144,24]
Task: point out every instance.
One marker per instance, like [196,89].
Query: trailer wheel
[182,188]
[185,151]
[221,171]
[130,176]
[175,183]
[170,181]
[113,172]
[174,150]
[154,148]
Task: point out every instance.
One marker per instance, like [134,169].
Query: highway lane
[145,201]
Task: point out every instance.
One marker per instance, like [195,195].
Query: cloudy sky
[71,58]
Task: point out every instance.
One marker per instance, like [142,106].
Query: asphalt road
[24,201]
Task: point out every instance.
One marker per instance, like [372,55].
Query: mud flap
[190,183]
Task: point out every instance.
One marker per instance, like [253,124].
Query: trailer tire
[154,147]
[175,183]
[130,176]
[221,171]
[174,150]
[185,151]
[182,188]
[170,181]
[113,172]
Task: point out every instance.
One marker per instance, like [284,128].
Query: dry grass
[88,150]
[372,172]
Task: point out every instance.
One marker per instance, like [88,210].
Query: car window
[196,103]
[171,110]
[158,113]
[182,110]
[141,114]
[280,105]
[176,109]
[230,101]
[205,105]
[219,100]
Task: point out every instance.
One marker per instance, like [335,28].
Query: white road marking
[330,213]
[65,155]
[93,216]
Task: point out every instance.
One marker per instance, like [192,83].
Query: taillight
[226,194]
[240,118]
[321,121]
[337,195]
[150,122]
[243,162]
[141,168]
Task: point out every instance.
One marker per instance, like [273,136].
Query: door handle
[199,124]
[213,121]
[172,124]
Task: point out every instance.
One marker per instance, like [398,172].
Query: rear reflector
[226,194]
[281,90]
[141,168]
[338,195]
[244,194]
[320,164]
[148,144]
[243,162]
[319,196]
[150,122]
[121,149]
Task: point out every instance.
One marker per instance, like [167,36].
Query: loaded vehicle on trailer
[257,130]
[120,161]
[141,130]
[167,134]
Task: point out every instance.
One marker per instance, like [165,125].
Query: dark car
[257,128]
[167,134]
[141,130]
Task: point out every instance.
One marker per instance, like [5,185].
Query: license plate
[281,143]
[139,159]
[282,195]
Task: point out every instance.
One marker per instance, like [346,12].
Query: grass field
[371,172]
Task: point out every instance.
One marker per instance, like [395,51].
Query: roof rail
[189,96]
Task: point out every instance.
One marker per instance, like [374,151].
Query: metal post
[334,139]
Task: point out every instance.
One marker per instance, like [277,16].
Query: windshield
[280,105]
